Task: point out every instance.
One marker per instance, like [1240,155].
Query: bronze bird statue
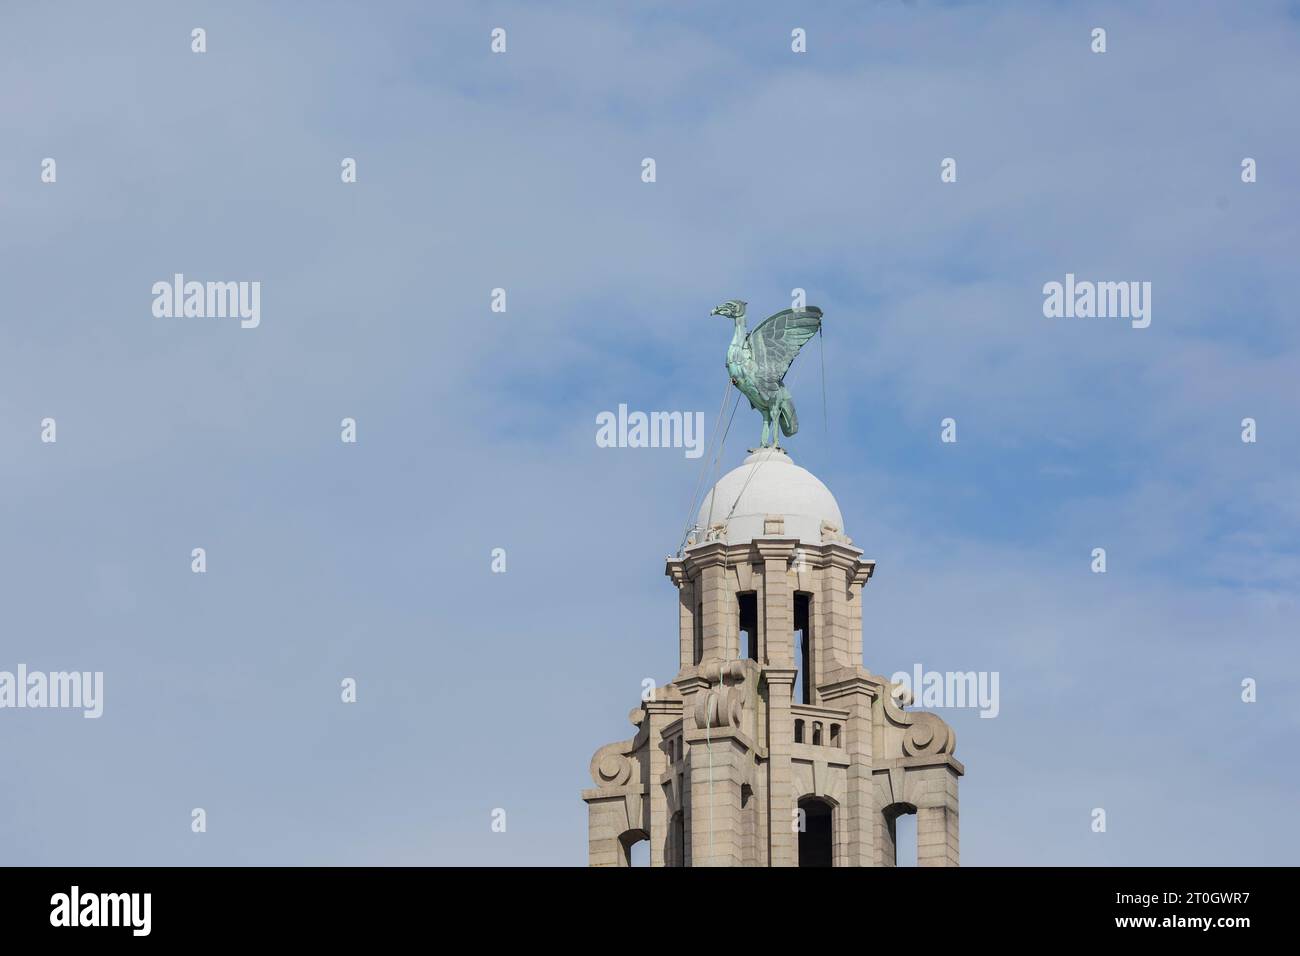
[757,362]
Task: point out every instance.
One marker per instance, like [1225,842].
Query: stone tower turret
[773,745]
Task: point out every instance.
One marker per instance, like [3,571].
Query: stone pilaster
[660,715]
[937,839]
[860,816]
[783,848]
[778,602]
[606,823]
[886,826]
[707,566]
[685,612]
[717,773]
[861,574]
[837,615]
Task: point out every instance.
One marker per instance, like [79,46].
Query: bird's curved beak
[716,312]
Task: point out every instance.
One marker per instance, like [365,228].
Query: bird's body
[757,362]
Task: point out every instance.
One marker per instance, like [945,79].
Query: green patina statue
[757,362]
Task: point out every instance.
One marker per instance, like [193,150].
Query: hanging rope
[717,462]
[717,423]
[704,467]
[697,497]
[708,746]
[758,464]
[826,428]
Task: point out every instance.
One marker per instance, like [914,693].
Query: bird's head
[732,309]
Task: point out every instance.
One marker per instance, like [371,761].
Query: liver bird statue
[757,362]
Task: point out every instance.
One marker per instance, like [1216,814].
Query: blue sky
[477,430]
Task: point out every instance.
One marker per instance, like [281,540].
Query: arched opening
[636,848]
[900,845]
[816,839]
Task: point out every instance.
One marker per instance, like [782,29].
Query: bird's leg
[767,419]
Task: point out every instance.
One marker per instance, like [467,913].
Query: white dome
[769,485]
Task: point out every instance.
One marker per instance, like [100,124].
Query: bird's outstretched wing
[776,342]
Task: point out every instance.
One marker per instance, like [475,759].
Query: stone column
[858,578]
[778,604]
[782,845]
[887,838]
[659,714]
[882,823]
[685,612]
[824,658]
[837,617]
[690,687]
[717,829]
[936,837]
[606,821]
[778,634]
[859,812]
[707,564]
[937,842]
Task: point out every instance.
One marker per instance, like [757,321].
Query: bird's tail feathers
[789,420]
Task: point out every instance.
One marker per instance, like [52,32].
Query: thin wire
[752,472]
[697,503]
[708,746]
[826,428]
[717,458]
[704,467]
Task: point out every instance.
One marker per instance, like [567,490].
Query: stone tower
[773,745]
